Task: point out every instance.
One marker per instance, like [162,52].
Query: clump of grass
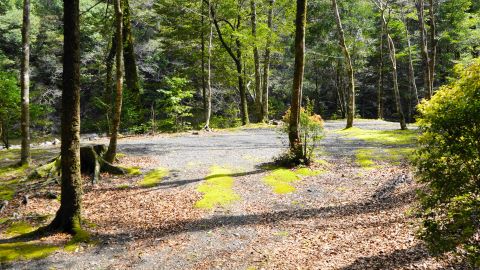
[386,137]
[153,178]
[217,189]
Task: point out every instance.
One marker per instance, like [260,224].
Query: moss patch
[368,158]
[12,171]
[387,137]
[364,158]
[18,228]
[132,170]
[80,236]
[24,251]
[308,172]
[281,180]
[217,189]
[153,178]
[123,186]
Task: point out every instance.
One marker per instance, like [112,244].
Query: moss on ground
[217,189]
[369,158]
[19,228]
[308,172]
[153,178]
[365,158]
[386,137]
[123,186]
[281,179]
[12,171]
[24,251]
[132,170]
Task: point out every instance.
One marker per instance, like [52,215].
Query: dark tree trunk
[380,76]
[68,217]
[349,66]
[25,85]
[130,65]
[108,84]
[266,67]
[424,49]
[294,134]
[112,147]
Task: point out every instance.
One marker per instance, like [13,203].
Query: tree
[299,68]
[25,85]
[266,65]
[256,59]
[9,105]
[117,112]
[207,66]
[349,66]
[68,217]
[424,49]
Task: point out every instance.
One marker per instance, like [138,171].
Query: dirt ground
[347,217]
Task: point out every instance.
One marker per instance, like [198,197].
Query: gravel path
[346,218]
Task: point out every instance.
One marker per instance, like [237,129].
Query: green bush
[9,105]
[448,162]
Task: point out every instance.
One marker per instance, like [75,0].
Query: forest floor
[212,201]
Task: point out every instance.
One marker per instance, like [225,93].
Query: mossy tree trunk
[299,69]
[25,85]
[112,147]
[68,217]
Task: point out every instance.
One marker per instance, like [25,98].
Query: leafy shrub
[174,102]
[9,104]
[311,132]
[448,162]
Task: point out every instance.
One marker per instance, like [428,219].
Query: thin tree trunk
[131,74]
[424,50]
[380,77]
[256,60]
[208,112]
[411,69]
[393,59]
[68,217]
[299,69]
[25,85]
[266,67]
[433,44]
[108,83]
[112,147]
[349,66]
[202,45]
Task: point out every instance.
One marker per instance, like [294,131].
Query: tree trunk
[112,147]
[202,45]
[424,50]
[299,68]
[380,77]
[433,45]
[25,85]
[349,66]
[256,58]
[266,67]
[130,65]
[108,83]
[68,217]
[411,69]
[393,59]
[208,111]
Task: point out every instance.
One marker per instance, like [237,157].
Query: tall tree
[349,66]
[256,59]
[299,69]
[68,217]
[428,88]
[433,43]
[131,73]
[411,69]
[236,54]
[382,6]
[266,65]
[117,112]
[25,85]
[380,74]
[207,96]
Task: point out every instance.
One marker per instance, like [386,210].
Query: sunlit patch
[217,189]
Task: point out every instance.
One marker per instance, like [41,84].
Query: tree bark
[112,147]
[68,217]
[208,111]
[25,85]
[256,58]
[130,65]
[433,45]
[108,83]
[424,50]
[299,69]
[393,59]
[266,67]
[411,69]
[380,76]
[349,66]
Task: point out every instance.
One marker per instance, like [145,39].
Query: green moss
[7,192]
[365,158]
[281,180]
[308,172]
[153,178]
[24,251]
[120,155]
[3,220]
[12,171]
[124,186]
[387,137]
[217,189]
[18,228]
[132,170]
[80,236]
[398,154]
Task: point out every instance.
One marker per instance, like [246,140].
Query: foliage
[174,103]
[448,162]
[9,104]
[311,130]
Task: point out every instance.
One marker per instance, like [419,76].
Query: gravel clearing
[346,218]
